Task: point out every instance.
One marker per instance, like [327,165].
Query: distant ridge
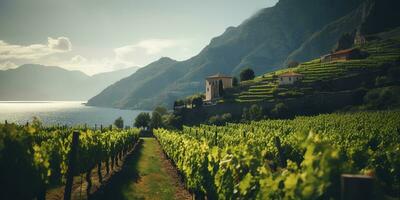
[32,82]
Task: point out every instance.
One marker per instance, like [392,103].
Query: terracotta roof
[219,76]
[344,51]
[290,74]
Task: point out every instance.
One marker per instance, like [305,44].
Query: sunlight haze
[99,36]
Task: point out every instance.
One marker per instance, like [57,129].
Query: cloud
[7,65]
[53,53]
[145,51]
[34,51]
[78,59]
[61,44]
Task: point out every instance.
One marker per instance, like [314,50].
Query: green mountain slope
[264,42]
[320,77]
[36,82]
[145,82]
[370,17]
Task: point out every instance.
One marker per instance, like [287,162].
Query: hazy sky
[104,35]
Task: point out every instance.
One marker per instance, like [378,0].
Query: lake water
[62,112]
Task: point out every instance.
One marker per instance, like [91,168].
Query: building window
[208,89]
[290,78]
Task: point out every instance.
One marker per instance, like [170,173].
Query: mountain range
[292,30]
[48,83]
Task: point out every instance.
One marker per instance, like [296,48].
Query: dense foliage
[142,120]
[288,159]
[34,158]
[246,74]
[119,122]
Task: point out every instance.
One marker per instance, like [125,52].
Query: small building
[341,55]
[289,78]
[359,39]
[213,84]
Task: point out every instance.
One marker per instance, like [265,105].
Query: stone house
[213,85]
[342,55]
[289,78]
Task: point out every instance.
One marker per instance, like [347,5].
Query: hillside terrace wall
[306,105]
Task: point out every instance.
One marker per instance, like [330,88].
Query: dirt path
[146,174]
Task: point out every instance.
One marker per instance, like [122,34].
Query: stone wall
[306,105]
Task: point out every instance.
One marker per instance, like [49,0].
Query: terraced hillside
[265,87]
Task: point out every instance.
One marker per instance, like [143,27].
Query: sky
[97,36]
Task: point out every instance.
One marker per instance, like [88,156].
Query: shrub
[382,98]
[280,110]
[220,120]
[254,113]
[197,102]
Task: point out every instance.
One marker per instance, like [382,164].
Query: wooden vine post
[282,159]
[216,138]
[71,165]
[357,187]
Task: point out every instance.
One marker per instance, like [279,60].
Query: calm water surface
[62,112]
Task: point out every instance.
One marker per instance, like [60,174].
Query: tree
[246,74]
[235,82]
[161,110]
[292,64]
[119,122]
[221,88]
[172,121]
[142,120]
[156,120]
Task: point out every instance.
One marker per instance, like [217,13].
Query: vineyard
[315,71]
[301,158]
[35,159]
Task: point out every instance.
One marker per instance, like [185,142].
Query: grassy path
[147,174]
